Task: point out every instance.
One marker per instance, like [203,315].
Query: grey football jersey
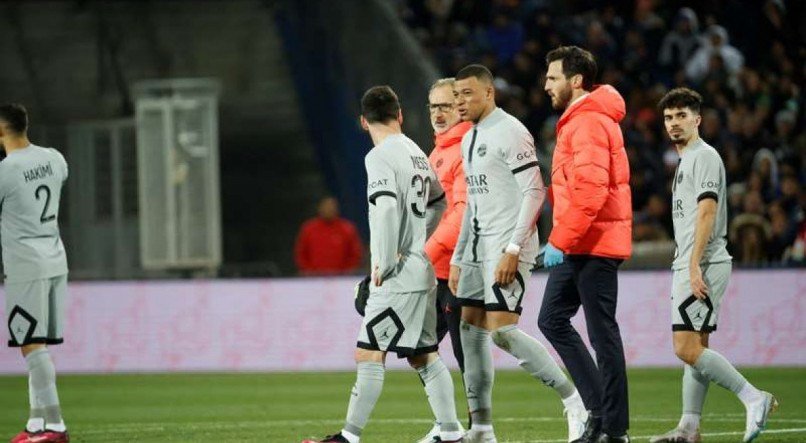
[30,189]
[700,174]
[505,191]
[399,169]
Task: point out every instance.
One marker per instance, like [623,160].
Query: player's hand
[377,278]
[506,269]
[453,279]
[698,287]
[552,256]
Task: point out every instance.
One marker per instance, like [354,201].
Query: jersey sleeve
[65,169]
[521,157]
[383,215]
[519,153]
[707,175]
[380,178]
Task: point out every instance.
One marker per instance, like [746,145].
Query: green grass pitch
[289,407]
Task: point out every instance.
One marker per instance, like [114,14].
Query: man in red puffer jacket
[592,235]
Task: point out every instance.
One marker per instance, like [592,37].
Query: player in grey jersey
[35,266]
[497,248]
[405,204]
[701,269]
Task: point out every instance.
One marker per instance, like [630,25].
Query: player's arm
[591,169]
[384,224]
[435,206]
[384,219]
[524,165]
[521,158]
[707,181]
[706,215]
[443,240]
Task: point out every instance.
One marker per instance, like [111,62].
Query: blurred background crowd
[745,57]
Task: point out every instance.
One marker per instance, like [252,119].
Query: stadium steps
[268,168]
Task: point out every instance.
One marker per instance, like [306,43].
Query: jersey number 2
[423,187]
[44,218]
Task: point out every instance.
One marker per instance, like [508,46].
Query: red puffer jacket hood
[603,99]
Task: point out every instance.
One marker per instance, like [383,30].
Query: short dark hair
[15,116]
[479,71]
[380,104]
[575,60]
[681,98]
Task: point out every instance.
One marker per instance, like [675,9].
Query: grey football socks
[439,389]
[479,374]
[42,389]
[695,387]
[534,358]
[365,393]
[36,419]
[718,369]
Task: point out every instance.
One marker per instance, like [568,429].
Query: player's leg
[438,387]
[366,390]
[380,330]
[597,285]
[503,305]
[421,352]
[438,384]
[693,316]
[695,384]
[475,338]
[453,315]
[35,318]
[695,388]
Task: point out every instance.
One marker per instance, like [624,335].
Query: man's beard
[563,99]
[679,140]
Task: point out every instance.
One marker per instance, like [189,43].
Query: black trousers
[449,313]
[590,282]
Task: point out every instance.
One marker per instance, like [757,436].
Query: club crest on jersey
[439,163]
[482,150]
[679,178]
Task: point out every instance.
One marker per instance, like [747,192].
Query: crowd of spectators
[746,58]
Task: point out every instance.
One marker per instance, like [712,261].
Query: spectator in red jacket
[328,244]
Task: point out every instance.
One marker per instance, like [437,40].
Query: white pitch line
[706,434]
[166,426]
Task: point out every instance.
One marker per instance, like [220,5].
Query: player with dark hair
[405,203]
[496,250]
[702,268]
[35,264]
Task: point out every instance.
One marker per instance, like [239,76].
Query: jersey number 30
[44,218]
[423,187]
